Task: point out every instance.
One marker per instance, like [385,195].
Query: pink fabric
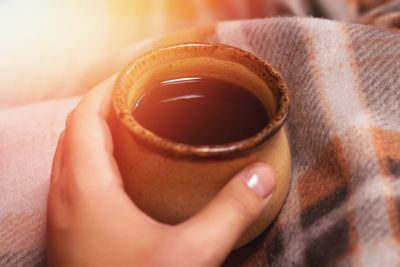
[28,137]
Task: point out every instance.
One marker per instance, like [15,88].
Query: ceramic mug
[172,181]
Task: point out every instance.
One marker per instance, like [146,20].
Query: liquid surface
[200,111]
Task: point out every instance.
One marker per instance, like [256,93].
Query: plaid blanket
[343,206]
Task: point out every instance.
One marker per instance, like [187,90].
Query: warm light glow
[49,46]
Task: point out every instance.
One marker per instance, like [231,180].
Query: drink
[200,111]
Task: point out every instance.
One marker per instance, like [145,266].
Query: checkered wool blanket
[343,206]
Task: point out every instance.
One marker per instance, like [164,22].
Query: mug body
[172,181]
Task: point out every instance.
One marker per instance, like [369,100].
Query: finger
[90,172]
[221,223]
[89,186]
[55,170]
[88,148]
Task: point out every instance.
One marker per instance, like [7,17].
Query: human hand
[93,222]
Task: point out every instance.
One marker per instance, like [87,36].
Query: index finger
[88,147]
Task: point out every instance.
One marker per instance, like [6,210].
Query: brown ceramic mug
[172,181]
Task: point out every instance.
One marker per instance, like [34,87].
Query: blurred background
[46,45]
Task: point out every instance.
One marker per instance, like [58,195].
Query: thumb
[221,223]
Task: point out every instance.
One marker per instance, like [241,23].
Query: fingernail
[260,178]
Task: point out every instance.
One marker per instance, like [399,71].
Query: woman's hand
[92,221]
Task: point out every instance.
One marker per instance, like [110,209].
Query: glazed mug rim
[203,152]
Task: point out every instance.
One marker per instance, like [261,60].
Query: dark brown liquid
[200,111]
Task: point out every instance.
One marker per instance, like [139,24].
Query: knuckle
[70,119]
[73,118]
[70,191]
[188,243]
[244,204]
[66,201]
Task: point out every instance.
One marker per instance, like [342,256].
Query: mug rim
[171,148]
